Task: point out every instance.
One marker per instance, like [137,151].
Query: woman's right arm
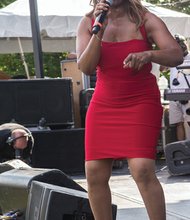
[87,47]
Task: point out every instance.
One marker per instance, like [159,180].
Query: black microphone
[18,154]
[100,19]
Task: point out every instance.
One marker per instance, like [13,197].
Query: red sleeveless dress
[124,116]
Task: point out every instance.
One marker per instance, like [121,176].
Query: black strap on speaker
[186,79]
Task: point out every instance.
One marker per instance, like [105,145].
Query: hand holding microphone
[101,17]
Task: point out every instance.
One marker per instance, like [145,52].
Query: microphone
[18,154]
[100,19]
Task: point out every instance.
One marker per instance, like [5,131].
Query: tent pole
[38,60]
[23,59]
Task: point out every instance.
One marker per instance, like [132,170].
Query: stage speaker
[62,149]
[15,185]
[85,98]
[28,101]
[12,164]
[177,156]
[69,68]
[50,202]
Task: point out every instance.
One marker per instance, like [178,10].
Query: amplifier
[27,101]
[61,149]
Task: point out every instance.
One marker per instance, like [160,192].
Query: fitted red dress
[124,117]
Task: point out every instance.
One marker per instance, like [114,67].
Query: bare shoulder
[154,26]
[150,15]
[86,23]
[152,20]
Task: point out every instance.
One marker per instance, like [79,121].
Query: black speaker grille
[62,149]
[27,101]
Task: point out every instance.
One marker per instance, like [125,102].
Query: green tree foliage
[12,64]
[3,3]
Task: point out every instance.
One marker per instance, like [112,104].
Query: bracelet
[97,37]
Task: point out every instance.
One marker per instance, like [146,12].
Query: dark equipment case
[177,156]
[85,98]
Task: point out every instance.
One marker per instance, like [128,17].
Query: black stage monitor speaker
[50,202]
[28,101]
[64,205]
[62,149]
[15,185]
[177,156]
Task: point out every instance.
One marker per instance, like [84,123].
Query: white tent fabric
[58,24]
[176,22]
[58,18]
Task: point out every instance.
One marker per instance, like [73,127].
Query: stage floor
[130,205]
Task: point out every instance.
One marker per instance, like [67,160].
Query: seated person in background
[16,141]
[179,111]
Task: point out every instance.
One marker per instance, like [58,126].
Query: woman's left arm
[169,53]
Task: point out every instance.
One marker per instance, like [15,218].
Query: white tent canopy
[58,23]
